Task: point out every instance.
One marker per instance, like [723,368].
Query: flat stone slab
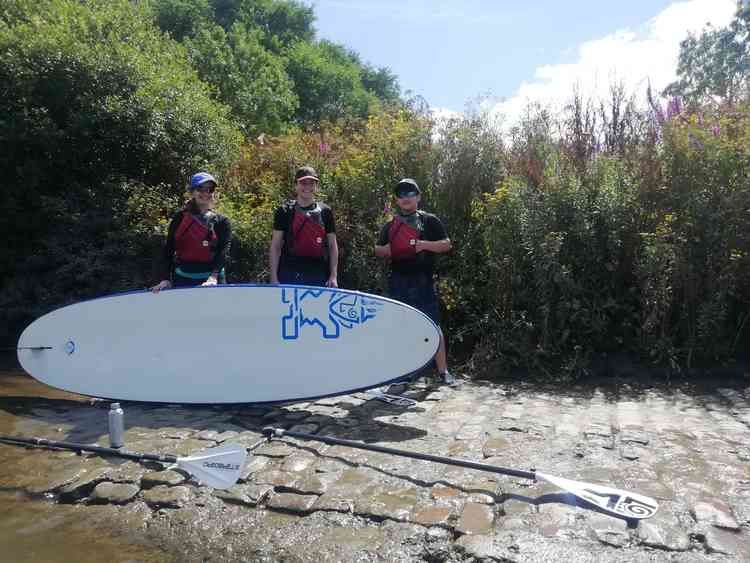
[715,512]
[114,493]
[247,495]
[167,497]
[663,536]
[292,502]
[167,477]
[475,519]
[431,515]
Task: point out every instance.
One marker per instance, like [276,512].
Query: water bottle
[116,426]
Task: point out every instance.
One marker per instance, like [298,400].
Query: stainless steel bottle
[116,426]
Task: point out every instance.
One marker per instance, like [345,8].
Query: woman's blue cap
[201,178]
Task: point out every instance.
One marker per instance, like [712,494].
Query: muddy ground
[687,446]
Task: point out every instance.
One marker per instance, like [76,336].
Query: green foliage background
[607,228]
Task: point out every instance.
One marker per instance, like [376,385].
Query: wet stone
[716,513]
[470,432]
[315,484]
[293,416]
[292,502]
[305,428]
[298,462]
[663,536]
[254,465]
[446,496]
[167,477]
[275,478]
[654,489]
[431,515]
[167,497]
[633,436]
[334,503]
[114,493]
[632,453]
[84,483]
[394,505]
[730,543]
[350,483]
[128,472]
[495,446]
[609,531]
[328,401]
[478,547]
[246,495]
[475,519]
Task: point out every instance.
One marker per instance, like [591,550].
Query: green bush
[97,102]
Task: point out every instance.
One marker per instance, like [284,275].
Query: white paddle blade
[218,467]
[613,501]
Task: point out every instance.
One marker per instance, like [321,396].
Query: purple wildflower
[716,129]
[324,148]
[674,107]
[695,142]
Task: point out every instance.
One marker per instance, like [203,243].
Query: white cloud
[632,57]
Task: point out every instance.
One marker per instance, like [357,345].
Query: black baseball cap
[407,188]
[306,172]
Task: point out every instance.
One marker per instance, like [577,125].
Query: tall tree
[715,66]
[283,22]
[249,78]
[328,83]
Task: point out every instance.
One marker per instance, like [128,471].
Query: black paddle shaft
[278,432]
[88,448]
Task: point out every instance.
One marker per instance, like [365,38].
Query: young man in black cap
[411,240]
[303,249]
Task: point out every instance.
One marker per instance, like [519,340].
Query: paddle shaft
[87,447]
[278,432]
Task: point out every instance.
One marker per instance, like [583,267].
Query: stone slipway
[306,501]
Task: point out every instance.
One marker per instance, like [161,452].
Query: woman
[197,240]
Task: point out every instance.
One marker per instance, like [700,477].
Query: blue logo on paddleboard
[329,310]
[70,347]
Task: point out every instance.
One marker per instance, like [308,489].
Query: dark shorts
[316,277]
[417,290]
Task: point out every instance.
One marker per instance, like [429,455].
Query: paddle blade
[613,501]
[218,467]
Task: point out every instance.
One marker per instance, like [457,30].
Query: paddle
[218,467]
[612,501]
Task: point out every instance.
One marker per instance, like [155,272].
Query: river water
[32,527]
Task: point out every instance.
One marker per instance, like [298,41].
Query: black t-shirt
[432,229]
[282,218]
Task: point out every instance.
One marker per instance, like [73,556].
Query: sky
[507,53]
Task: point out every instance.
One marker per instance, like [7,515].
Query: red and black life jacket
[306,234]
[194,241]
[403,238]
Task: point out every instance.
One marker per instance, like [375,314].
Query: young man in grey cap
[303,248]
[411,240]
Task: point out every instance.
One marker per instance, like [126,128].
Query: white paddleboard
[228,344]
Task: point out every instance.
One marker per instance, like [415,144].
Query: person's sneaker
[449,379]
